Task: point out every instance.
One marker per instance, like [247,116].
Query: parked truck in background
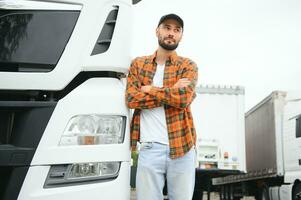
[218,113]
[64,125]
[273,150]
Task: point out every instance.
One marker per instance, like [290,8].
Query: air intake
[104,40]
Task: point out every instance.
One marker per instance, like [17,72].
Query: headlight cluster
[94,129]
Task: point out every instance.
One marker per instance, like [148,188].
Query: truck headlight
[94,129]
[81,173]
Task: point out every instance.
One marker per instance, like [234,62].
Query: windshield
[33,41]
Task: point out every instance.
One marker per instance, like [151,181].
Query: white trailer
[64,124]
[218,114]
[273,151]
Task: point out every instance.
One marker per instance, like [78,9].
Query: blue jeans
[154,164]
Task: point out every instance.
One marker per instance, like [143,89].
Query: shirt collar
[172,58]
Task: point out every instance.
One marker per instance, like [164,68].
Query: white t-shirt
[153,126]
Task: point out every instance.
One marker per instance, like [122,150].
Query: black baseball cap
[171,16]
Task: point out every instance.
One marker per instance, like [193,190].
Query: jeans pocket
[146,145]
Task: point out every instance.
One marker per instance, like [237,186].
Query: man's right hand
[183,82]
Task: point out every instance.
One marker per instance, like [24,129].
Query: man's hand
[183,82]
[146,88]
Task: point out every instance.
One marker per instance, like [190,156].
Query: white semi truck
[273,150]
[64,124]
[218,113]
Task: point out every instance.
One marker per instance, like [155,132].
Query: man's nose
[170,34]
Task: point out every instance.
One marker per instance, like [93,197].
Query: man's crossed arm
[180,95]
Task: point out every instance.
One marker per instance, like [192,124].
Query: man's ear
[181,37]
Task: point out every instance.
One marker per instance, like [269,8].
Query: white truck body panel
[33,187]
[291,144]
[103,96]
[218,114]
[77,53]
[38,5]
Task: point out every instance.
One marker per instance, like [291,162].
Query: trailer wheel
[297,192]
[223,194]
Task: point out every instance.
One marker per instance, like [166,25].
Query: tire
[227,192]
[296,195]
[222,193]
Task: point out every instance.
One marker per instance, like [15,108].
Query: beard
[168,47]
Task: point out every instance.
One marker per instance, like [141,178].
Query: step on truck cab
[64,124]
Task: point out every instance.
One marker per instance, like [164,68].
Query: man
[160,88]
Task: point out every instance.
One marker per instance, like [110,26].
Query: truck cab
[64,131]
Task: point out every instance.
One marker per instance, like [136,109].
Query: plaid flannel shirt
[176,101]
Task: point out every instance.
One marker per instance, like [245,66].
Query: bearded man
[161,88]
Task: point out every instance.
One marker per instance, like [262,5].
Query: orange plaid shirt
[176,101]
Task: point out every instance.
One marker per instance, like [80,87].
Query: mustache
[169,38]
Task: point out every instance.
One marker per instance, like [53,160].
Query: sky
[255,44]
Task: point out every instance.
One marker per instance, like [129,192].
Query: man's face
[169,34]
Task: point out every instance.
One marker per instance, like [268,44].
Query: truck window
[298,127]
[33,41]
